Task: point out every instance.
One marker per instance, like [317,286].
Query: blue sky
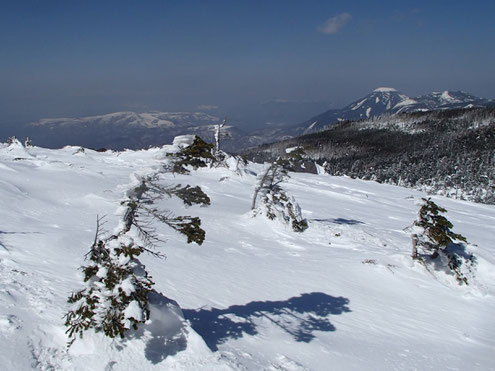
[66,58]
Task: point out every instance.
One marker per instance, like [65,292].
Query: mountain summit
[381,100]
[389,100]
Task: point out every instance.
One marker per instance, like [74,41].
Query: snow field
[343,295]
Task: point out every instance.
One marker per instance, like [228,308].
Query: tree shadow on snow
[3,232]
[339,221]
[298,316]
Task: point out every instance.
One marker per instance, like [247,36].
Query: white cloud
[334,24]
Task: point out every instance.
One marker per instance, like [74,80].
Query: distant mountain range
[139,130]
[390,101]
[122,130]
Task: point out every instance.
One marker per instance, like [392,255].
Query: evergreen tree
[434,236]
[198,154]
[276,203]
[117,285]
[115,295]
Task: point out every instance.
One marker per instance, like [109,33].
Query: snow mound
[17,150]
[166,341]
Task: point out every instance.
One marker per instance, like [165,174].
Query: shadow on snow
[166,334]
[298,316]
[339,221]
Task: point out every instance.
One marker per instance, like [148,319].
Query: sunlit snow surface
[344,295]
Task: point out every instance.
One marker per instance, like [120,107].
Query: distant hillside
[122,130]
[445,152]
[379,102]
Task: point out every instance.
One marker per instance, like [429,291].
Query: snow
[445,96]
[343,295]
[291,149]
[183,140]
[368,110]
[406,102]
[384,90]
[358,104]
[310,127]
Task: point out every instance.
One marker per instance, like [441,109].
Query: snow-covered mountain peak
[447,97]
[385,100]
[450,97]
[377,102]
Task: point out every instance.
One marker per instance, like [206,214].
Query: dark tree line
[445,152]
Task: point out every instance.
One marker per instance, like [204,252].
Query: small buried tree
[220,133]
[438,242]
[297,160]
[276,203]
[12,140]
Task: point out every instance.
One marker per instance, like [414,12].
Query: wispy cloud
[334,24]
[206,107]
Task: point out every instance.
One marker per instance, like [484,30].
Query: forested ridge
[443,152]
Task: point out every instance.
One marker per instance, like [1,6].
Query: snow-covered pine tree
[187,225]
[434,236]
[115,296]
[116,284]
[276,203]
[202,154]
[198,154]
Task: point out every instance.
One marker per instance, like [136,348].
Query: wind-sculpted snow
[344,294]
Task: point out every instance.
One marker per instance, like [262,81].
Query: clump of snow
[291,149]
[183,141]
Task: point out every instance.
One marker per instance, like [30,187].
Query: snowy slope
[343,295]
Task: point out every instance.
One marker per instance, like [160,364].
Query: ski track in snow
[343,295]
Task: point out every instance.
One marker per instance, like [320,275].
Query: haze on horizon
[68,58]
